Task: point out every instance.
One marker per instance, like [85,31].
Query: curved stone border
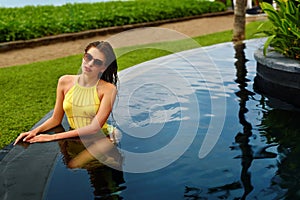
[277,61]
[278,76]
[25,165]
[91,33]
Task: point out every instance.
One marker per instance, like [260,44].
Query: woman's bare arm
[57,115]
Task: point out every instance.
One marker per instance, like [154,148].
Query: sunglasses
[88,57]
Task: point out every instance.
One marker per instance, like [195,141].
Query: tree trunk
[239,20]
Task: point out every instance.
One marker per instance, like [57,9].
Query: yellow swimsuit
[81,105]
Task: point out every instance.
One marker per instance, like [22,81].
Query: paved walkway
[190,28]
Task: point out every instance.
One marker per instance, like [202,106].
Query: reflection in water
[195,193]
[282,127]
[242,138]
[106,181]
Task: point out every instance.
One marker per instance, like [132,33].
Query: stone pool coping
[277,61]
[278,77]
[25,169]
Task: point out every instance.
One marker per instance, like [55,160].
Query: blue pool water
[194,128]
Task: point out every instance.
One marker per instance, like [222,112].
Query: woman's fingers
[22,135]
[35,139]
[29,136]
[41,138]
[26,136]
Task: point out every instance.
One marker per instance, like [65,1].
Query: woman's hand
[25,136]
[42,138]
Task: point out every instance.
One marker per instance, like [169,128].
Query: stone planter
[278,77]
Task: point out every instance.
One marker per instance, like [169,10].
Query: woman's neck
[87,81]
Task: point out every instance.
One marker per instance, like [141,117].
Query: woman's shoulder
[66,79]
[106,86]
[65,82]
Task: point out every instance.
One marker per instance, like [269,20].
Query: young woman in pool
[86,99]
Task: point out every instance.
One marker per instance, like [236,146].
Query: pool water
[193,127]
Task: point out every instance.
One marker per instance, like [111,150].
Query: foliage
[37,21]
[284,36]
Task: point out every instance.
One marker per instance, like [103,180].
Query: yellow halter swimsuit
[81,105]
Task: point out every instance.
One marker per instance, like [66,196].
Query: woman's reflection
[106,179]
[96,154]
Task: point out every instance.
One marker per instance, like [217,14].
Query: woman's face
[93,62]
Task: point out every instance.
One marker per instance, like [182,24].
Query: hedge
[31,22]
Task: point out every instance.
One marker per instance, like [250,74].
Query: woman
[86,99]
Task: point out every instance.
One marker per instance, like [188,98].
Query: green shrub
[284,36]
[37,21]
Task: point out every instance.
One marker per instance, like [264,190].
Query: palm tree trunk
[239,20]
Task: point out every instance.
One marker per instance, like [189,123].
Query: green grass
[37,21]
[28,91]
[144,53]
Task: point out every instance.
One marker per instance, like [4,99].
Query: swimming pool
[169,109]
[193,127]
